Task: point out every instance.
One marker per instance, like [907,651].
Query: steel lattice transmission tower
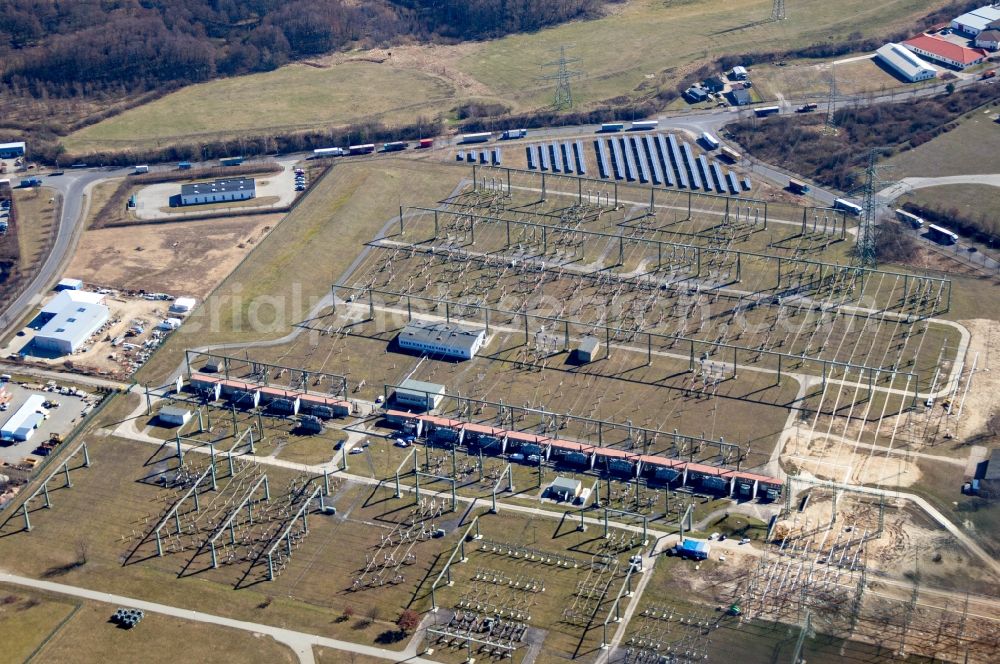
[778,10]
[562,76]
[831,104]
[865,255]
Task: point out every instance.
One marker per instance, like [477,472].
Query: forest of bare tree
[80,48]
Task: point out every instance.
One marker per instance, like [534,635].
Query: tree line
[60,49]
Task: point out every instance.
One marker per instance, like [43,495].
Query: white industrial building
[976,21]
[73,316]
[989,39]
[906,63]
[417,393]
[436,338]
[225,189]
[69,284]
[182,305]
[20,426]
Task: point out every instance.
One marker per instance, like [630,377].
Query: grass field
[622,54]
[27,619]
[292,98]
[972,147]
[331,656]
[977,202]
[970,199]
[36,217]
[51,628]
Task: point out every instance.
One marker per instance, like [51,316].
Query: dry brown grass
[161,257]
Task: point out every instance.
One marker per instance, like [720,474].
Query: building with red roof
[944,51]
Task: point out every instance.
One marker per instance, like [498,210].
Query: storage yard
[118,347]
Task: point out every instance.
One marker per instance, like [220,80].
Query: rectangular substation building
[419,394]
[906,63]
[438,338]
[218,191]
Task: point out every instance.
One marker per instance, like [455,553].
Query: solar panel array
[602,159]
[556,157]
[648,159]
[581,166]
[645,158]
[484,157]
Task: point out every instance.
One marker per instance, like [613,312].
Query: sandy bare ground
[981,400]
[841,461]
[182,258]
[909,542]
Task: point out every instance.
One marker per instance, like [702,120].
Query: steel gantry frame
[646,436]
[694,345]
[43,488]
[263,371]
[248,502]
[318,492]
[736,256]
[174,511]
[459,550]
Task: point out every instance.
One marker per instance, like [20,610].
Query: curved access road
[300,642]
[72,187]
[906,185]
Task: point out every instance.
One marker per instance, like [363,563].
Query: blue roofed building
[692,548]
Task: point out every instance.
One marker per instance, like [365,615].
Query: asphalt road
[71,185]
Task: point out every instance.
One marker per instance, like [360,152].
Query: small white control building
[172,416]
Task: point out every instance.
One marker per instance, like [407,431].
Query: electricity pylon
[562,77]
[778,10]
[865,255]
[831,104]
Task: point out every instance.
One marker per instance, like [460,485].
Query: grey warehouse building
[226,189]
[436,338]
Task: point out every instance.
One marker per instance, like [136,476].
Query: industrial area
[613,392]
